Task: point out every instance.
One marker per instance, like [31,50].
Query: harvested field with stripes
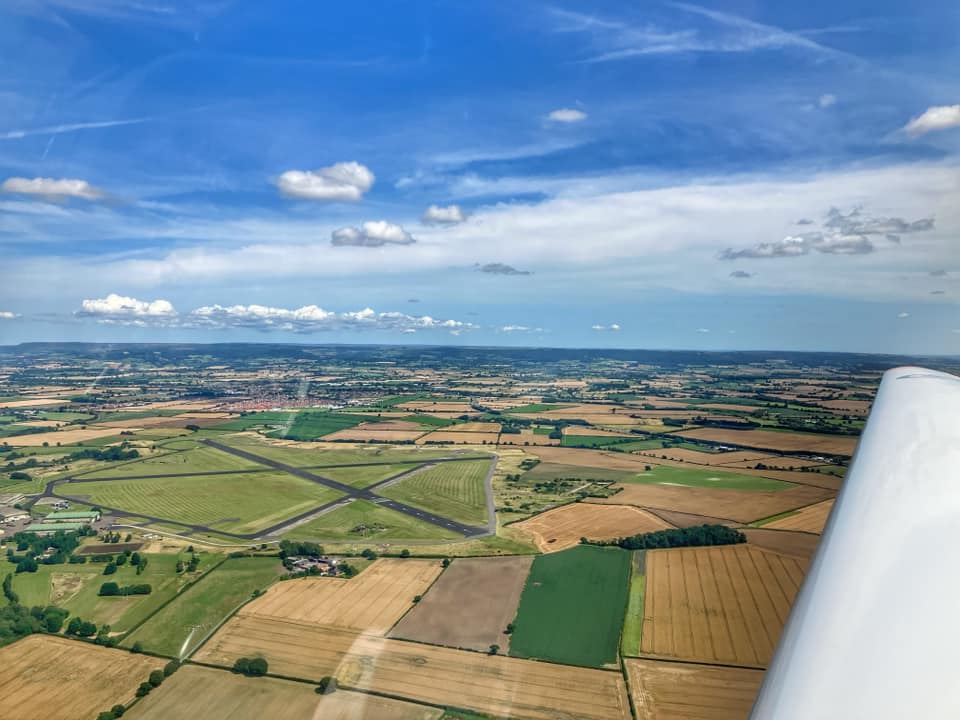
[719,604]
[737,505]
[458,437]
[454,490]
[563,527]
[492,684]
[470,605]
[202,692]
[372,601]
[772,440]
[43,676]
[785,542]
[685,691]
[809,519]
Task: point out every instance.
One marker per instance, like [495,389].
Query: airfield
[458,494]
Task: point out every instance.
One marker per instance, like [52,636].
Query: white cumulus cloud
[567,115]
[371,234]
[53,188]
[613,327]
[826,100]
[120,306]
[7,315]
[938,117]
[903,315]
[342,182]
[450,215]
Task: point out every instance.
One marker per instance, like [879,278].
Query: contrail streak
[59,129]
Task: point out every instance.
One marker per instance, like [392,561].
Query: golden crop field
[49,677]
[373,601]
[64,437]
[781,441]
[363,434]
[199,692]
[809,519]
[563,527]
[737,505]
[685,691]
[493,684]
[718,604]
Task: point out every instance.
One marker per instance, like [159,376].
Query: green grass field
[537,408]
[364,521]
[592,441]
[633,620]
[198,460]
[260,419]
[572,606]
[229,503]
[314,425]
[666,475]
[454,490]
[75,588]
[311,457]
[429,420]
[364,475]
[554,471]
[64,416]
[203,605]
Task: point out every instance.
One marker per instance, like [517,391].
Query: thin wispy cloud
[615,39]
[69,128]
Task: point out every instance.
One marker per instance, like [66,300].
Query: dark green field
[592,441]
[312,425]
[572,606]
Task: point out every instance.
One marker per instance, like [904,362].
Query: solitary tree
[494,649]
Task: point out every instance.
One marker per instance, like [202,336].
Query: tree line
[697,536]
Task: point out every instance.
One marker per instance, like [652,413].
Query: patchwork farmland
[496,685]
[563,527]
[470,605]
[572,606]
[685,691]
[372,601]
[718,604]
[53,678]
[202,692]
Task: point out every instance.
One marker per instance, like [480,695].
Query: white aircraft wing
[875,629]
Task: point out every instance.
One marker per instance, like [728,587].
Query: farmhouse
[72,517]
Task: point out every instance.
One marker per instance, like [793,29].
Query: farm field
[326,454]
[552,471]
[469,605]
[453,490]
[452,435]
[75,588]
[364,476]
[786,542]
[563,527]
[200,607]
[308,425]
[372,601]
[719,604]
[692,477]
[572,606]
[243,503]
[633,620]
[43,676]
[497,685]
[781,441]
[362,433]
[64,437]
[737,505]
[195,691]
[809,519]
[364,521]
[685,691]
[196,460]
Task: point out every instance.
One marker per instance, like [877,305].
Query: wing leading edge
[875,629]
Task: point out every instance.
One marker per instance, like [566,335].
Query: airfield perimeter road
[349,492]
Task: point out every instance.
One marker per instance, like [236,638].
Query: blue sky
[733,175]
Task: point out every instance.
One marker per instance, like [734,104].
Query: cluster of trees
[291,547]
[251,667]
[697,536]
[80,627]
[136,560]
[113,713]
[109,589]
[16,621]
[32,546]
[111,454]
